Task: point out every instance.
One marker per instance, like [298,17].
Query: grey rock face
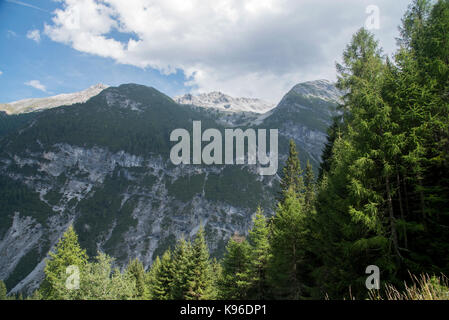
[136,206]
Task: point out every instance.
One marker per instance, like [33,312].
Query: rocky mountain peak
[222,101]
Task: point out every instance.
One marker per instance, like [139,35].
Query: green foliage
[26,264]
[201,285]
[163,278]
[287,244]
[222,187]
[99,212]
[185,188]
[291,174]
[3,290]
[17,197]
[11,123]
[66,253]
[136,272]
[182,262]
[260,256]
[236,279]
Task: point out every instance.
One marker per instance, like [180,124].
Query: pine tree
[136,271]
[260,256]
[150,277]
[182,269]
[291,174]
[327,156]
[162,284]
[287,247]
[67,253]
[235,281]
[309,181]
[3,290]
[101,282]
[201,285]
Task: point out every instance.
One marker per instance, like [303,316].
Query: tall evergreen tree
[291,174]
[309,181]
[260,256]
[201,285]
[182,269]
[3,290]
[235,281]
[67,253]
[162,283]
[287,247]
[136,271]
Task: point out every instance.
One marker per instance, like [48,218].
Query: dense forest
[381,197]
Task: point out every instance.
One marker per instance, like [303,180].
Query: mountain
[103,166]
[225,102]
[37,104]
[304,114]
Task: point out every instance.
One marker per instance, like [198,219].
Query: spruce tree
[201,285]
[182,269]
[260,256]
[235,281]
[309,181]
[288,247]
[3,290]
[291,174]
[136,271]
[66,253]
[161,287]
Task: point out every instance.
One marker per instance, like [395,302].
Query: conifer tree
[201,285]
[288,247]
[150,277]
[235,281]
[3,290]
[182,269]
[291,174]
[309,181]
[260,256]
[136,271]
[101,281]
[162,284]
[67,253]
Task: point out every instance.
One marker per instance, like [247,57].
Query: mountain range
[100,161]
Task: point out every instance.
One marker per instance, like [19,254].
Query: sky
[249,48]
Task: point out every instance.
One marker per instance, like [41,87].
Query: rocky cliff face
[103,166]
[224,102]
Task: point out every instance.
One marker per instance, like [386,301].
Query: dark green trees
[201,283]
[384,192]
[291,174]
[136,272]
[236,275]
[245,264]
[185,273]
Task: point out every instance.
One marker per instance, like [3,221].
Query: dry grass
[424,287]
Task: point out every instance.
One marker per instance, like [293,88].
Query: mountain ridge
[39,104]
[103,166]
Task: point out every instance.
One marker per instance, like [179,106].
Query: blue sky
[243,48]
[58,67]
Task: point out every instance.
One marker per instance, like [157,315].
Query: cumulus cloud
[36,84]
[256,48]
[34,35]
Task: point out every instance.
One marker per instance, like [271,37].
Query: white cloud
[36,84]
[1,72]
[34,35]
[10,34]
[255,48]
